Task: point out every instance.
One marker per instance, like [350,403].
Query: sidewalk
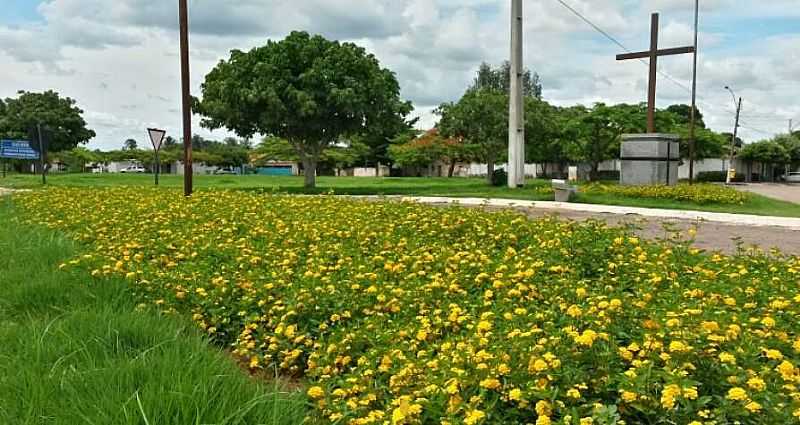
[724,218]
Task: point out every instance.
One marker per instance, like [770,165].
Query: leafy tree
[59,117]
[78,158]
[130,145]
[428,149]
[480,119]
[599,132]
[273,149]
[343,155]
[382,129]
[767,152]
[305,89]
[684,115]
[550,133]
[169,142]
[500,79]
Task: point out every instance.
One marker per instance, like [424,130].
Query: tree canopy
[59,117]
[480,119]
[305,89]
[499,79]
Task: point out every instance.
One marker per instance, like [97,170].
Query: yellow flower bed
[703,193]
[398,313]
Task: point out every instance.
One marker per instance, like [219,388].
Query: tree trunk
[749,176]
[452,169]
[378,169]
[594,173]
[310,170]
[490,169]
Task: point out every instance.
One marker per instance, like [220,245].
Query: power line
[618,43]
[769,133]
[646,63]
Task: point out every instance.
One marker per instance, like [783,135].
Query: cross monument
[653,54]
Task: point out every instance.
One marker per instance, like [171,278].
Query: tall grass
[76,351]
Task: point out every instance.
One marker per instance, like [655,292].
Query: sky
[119,59]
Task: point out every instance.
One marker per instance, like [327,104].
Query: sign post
[17,149]
[156,138]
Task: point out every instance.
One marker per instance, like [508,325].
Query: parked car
[133,169]
[792,177]
[225,171]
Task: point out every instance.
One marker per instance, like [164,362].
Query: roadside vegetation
[76,350]
[402,313]
[701,197]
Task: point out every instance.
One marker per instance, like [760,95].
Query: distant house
[278,168]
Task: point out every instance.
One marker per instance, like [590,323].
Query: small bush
[717,177]
[703,194]
[499,178]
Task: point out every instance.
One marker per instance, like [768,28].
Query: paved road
[780,191]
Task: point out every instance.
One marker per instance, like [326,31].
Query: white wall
[197,168]
[703,166]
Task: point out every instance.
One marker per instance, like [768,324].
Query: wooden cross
[653,54]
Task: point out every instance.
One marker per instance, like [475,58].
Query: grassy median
[77,351]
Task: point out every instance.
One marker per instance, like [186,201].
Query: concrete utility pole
[183,12]
[693,124]
[735,134]
[516,122]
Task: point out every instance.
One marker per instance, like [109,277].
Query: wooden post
[187,99]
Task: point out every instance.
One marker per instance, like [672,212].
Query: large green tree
[305,89]
[598,132]
[59,116]
[480,118]
[499,79]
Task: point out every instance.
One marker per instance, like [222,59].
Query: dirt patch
[710,236]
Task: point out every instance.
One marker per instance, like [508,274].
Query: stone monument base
[649,159]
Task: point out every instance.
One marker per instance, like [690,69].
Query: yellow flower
[490,383]
[668,396]
[316,392]
[515,394]
[752,406]
[727,358]
[737,394]
[756,384]
[543,420]
[629,396]
[573,393]
[474,416]
[543,408]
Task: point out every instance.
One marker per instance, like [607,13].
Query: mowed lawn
[77,352]
[536,190]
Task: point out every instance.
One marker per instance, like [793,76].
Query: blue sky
[118,58]
[20,11]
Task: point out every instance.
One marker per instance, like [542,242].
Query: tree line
[328,105]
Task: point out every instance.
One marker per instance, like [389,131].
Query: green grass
[757,205]
[455,187]
[77,351]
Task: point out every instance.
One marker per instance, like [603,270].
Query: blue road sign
[17,149]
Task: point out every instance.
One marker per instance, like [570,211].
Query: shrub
[499,177]
[401,313]
[717,177]
[698,193]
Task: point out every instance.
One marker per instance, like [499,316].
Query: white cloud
[119,59]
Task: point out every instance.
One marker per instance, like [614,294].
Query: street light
[738,106]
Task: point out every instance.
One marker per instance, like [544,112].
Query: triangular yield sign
[156,137]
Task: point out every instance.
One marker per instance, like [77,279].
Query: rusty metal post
[651,90]
[693,123]
[183,13]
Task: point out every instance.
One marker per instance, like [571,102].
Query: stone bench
[564,191]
